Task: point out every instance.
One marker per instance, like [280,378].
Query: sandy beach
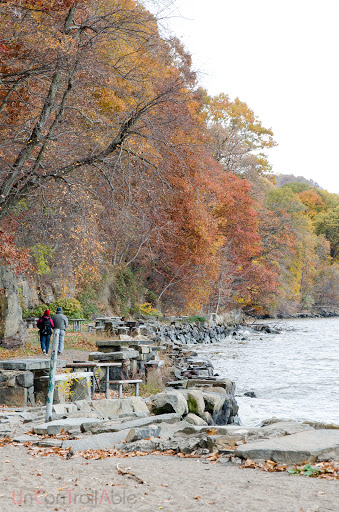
[30,481]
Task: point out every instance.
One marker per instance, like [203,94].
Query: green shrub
[195,318]
[87,300]
[128,289]
[36,312]
[70,307]
[147,310]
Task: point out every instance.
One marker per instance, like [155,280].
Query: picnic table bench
[120,383]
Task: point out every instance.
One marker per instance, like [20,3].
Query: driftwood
[127,471]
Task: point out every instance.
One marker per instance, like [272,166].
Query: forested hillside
[123,182]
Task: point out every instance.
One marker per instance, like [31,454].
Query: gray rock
[13,331]
[294,449]
[194,419]
[117,426]
[64,408]
[25,379]
[169,402]
[81,389]
[283,428]
[182,445]
[82,405]
[207,416]
[133,415]
[214,389]
[214,402]
[135,434]
[28,417]
[227,384]
[14,396]
[86,414]
[49,443]
[57,426]
[112,408]
[250,394]
[95,442]
[24,438]
[228,413]
[142,445]
[195,401]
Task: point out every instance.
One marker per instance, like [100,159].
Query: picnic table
[107,366]
[77,324]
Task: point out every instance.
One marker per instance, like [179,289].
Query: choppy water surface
[294,374]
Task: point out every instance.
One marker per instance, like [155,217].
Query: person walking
[60,322]
[45,325]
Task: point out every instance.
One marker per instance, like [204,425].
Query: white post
[51,379]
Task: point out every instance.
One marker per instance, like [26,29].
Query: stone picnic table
[77,324]
[107,382]
[20,380]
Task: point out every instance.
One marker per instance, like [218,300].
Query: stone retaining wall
[186,333]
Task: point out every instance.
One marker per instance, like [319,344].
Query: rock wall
[191,334]
[12,328]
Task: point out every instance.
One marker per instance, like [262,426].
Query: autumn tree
[79,83]
[238,138]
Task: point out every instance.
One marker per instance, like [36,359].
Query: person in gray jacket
[60,322]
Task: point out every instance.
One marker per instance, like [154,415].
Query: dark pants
[44,341]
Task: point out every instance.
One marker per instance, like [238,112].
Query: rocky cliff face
[12,328]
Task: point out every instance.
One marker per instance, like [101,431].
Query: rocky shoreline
[196,414]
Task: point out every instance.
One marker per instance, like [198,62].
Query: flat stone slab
[113,356]
[56,426]
[115,343]
[311,445]
[104,441]
[24,438]
[29,364]
[140,422]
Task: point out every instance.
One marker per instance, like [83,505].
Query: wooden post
[51,379]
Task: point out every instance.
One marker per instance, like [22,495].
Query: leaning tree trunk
[13,331]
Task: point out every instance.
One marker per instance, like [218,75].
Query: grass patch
[73,341]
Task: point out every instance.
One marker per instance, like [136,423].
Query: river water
[294,374]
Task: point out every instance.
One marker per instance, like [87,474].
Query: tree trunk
[13,331]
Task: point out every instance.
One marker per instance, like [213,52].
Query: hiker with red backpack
[45,325]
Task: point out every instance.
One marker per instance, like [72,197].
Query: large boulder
[13,331]
[146,432]
[223,408]
[112,408]
[214,402]
[195,401]
[167,402]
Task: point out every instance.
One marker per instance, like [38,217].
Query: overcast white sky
[281,58]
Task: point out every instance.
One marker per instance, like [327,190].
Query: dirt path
[171,484]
